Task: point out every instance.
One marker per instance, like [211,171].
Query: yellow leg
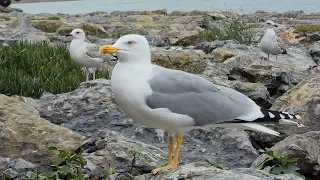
[174,162]
[177,150]
[170,149]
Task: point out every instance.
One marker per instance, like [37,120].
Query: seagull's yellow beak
[108,49]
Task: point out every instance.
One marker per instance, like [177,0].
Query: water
[248,6]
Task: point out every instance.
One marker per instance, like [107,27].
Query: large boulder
[25,135]
[109,149]
[303,99]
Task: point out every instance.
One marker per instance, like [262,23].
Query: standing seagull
[270,43]
[178,101]
[85,54]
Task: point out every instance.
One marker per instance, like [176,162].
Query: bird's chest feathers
[77,48]
[129,82]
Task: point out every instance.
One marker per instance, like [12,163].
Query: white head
[77,34]
[270,24]
[130,48]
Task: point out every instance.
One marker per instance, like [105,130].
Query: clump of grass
[29,69]
[279,164]
[226,29]
[53,18]
[308,28]
[5,18]
[69,165]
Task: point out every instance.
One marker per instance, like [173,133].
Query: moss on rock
[48,26]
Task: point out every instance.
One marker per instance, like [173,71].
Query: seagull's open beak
[68,35]
[108,49]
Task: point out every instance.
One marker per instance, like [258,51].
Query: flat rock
[194,171]
[109,149]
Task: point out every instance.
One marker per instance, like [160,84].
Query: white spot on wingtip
[298,117]
[271,115]
[291,117]
[282,116]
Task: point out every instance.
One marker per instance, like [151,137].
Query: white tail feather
[260,128]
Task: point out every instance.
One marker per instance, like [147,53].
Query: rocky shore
[88,120]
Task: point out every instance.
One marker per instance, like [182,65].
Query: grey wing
[206,103]
[92,50]
[281,45]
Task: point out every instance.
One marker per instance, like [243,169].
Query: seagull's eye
[130,43]
[77,32]
[269,23]
[275,25]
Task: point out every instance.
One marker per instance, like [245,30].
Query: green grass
[5,18]
[30,69]
[53,18]
[226,29]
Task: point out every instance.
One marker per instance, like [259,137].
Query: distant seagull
[270,43]
[86,54]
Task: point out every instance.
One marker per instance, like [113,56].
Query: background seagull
[86,54]
[178,101]
[270,43]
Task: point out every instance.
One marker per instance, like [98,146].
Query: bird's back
[269,43]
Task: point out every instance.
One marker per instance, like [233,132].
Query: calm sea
[248,6]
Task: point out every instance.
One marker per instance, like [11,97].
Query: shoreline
[37,1]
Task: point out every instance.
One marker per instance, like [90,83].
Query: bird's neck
[270,31]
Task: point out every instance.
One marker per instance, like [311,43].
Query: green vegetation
[48,26]
[279,164]
[68,165]
[29,69]
[226,29]
[53,18]
[5,18]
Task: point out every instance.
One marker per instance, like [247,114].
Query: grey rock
[8,40]
[289,14]
[16,168]
[199,172]
[87,110]
[314,51]
[315,36]
[158,41]
[208,47]
[108,149]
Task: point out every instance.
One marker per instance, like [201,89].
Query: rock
[315,36]
[314,51]
[25,135]
[208,47]
[158,41]
[16,168]
[48,26]
[108,149]
[88,110]
[304,147]
[128,13]
[290,14]
[188,41]
[187,60]
[222,55]
[89,29]
[294,36]
[195,171]
[255,91]
[304,99]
